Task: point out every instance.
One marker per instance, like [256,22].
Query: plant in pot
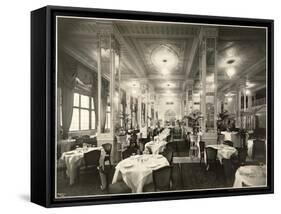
[194,119]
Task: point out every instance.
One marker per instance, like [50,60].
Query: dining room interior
[145,107]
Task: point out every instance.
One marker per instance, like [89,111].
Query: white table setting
[75,158]
[223,151]
[250,176]
[136,171]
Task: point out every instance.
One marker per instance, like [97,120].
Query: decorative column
[108,61]
[208,63]
[143,101]
[240,90]
[189,95]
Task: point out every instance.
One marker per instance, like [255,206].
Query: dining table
[75,158]
[223,151]
[156,146]
[250,176]
[136,171]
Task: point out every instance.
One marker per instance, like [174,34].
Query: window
[83,116]
[93,115]
[107,122]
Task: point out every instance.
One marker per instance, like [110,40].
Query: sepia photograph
[146,107]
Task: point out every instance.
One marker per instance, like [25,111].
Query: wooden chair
[202,146]
[107,148]
[229,171]
[91,159]
[259,151]
[211,156]
[168,155]
[116,188]
[128,152]
[161,180]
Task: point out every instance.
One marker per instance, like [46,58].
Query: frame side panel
[38,106]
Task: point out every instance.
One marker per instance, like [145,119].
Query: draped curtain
[67,78]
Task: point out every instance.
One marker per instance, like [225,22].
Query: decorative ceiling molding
[246,74]
[81,59]
[196,41]
[132,53]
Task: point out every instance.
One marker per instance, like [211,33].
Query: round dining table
[136,171]
[250,176]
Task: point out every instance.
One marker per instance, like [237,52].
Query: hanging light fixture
[230,72]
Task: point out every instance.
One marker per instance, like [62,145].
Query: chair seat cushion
[119,187]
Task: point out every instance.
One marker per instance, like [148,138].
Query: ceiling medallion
[164,59]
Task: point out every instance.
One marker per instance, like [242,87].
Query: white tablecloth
[75,158]
[136,171]
[224,151]
[250,175]
[155,146]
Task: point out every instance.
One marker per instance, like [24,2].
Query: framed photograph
[138,106]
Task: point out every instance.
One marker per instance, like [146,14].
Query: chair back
[211,154]
[162,178]
[92,158]
[128,152]
[202,146]
[229,171]
[181,144]
[168,155]
[228,142]
[242,155]
[259,150]
[177,133]
[107,148]
[171,146]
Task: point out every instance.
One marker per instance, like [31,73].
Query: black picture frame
[42,104]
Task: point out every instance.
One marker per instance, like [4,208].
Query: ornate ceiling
[144,46]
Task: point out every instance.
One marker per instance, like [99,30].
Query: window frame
[91,111]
